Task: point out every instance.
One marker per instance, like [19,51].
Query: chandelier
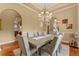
[45,15]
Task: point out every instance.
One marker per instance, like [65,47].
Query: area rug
[63,52]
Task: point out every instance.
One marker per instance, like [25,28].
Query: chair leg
[50,54]
[56,53]
[20,53]
[60,48]
[39,52]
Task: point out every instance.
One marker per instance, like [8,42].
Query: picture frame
[64,21]
[69,26]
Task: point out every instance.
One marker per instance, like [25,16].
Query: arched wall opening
[11,23]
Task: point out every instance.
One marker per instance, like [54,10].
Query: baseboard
[65,43]
[7,42]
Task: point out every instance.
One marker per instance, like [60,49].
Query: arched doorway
[13,21]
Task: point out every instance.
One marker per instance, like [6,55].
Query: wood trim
[13,45]
[7,49]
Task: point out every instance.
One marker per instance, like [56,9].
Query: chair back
[58,43]
[35,34]
[30,34]
[52,45]
[24,45]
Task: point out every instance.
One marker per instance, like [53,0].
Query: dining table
[39,41]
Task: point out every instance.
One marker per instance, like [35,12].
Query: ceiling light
[46,15]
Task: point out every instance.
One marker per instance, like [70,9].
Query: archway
[12,21]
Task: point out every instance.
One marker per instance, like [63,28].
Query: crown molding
[26,6]
[58,8]
[33,6]
[63,8]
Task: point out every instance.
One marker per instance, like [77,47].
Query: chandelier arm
[45,14]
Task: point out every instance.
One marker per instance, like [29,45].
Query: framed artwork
[69,26]
[64,21]
[0,24]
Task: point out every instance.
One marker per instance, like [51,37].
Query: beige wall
[70,14]
[31,23]
[78,21]
[29,19]
[78,16]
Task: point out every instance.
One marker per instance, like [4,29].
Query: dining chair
[60,37]
[52,48]
[60,45]
[30,34]
[40,33]
[49,48]
[26,50]
[35,34]
[44,33]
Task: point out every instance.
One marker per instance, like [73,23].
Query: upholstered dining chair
[52,48]
[35,34]
[40,33]
[58,43]
[45,33]
[49,48]
[30,34]
[26,50]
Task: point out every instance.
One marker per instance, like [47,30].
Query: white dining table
[41,40]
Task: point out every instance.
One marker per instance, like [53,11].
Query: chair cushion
[32,49]
[49,49]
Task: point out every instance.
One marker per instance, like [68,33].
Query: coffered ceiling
[40,6]
[49,6]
